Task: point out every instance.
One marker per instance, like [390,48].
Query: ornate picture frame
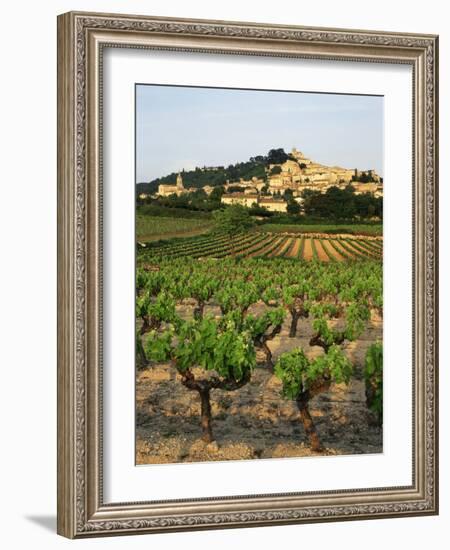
[82,38]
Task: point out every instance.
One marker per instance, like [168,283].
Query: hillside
[218,175]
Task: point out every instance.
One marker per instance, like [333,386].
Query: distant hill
[215,176]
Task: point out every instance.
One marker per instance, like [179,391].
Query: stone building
[208,189]
[299,172]
[273,205]
[244,199]
[253,183]
[375,188]
[178,189]
[248,200]
[296,174]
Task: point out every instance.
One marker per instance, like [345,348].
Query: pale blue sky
[185,127]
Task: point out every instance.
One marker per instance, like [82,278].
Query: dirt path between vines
[283,249]
[307,250]
[266,248]
[293,253]
[331,251]
[323,256]
[343,251]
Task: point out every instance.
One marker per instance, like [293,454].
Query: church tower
[180,185]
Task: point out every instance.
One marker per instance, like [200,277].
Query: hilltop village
[291,177]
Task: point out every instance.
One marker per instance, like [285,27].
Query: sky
[183,127]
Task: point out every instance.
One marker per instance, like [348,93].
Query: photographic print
[259,297]
[226,248]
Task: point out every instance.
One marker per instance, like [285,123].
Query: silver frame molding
[81,38]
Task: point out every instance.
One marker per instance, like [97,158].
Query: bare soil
[265,249]
[284,248]
[253,422]
[307,251]
[293,253]
[332,251]
[344,251]
[323,256]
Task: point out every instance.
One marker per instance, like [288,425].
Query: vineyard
[150,228]
[320,247]
[258,345]
[372,230]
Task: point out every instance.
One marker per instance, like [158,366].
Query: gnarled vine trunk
[317,340]
[297,311]
[261,343]
[308,424]
[204,387]
[148,324]
[199,310]
[295,316]
[206,414]
[141,358]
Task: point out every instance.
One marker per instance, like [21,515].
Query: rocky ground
[253,422]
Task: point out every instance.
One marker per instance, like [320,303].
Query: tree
[259,159]
[224,356]
[335,203]
[311,201]
[261,211]
[363,177]
[293,207]
[306,193]
[275,170]
[216,193]
[303,378]
[198,194]
[234,219]
[235,189]
[276,156]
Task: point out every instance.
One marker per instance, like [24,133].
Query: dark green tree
[232,220]
[275,170]
[236,189]
[293,208]
[216,193]
[276,156]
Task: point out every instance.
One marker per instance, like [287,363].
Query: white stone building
[273,205]
[178,189]
[240,198]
